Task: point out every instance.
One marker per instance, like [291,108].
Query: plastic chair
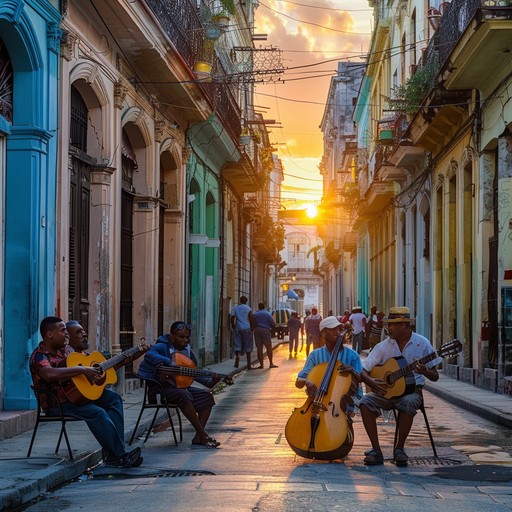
[153,389]
[422,409]
[43,417]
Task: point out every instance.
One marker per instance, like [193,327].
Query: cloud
[307,44]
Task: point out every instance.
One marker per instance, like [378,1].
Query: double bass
[320,428]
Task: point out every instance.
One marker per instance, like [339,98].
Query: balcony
[377,197]
[479,49]
[349,241]
[241,175]
[333,253]
[164,59]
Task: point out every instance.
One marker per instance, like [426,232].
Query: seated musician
[78,342]
[196,404]
[349,359]
[402,341]
[103,416]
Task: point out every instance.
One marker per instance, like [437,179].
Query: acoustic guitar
[184,371]
[399,375]
[80,389]
[188,374]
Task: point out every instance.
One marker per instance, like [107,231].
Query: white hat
[329,323]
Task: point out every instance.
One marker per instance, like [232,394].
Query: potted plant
[386,136]
[221,18]
[202,70]
[245,137]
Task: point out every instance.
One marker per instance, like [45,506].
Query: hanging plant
[229,6]
[409,96]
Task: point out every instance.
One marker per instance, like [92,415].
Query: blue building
[29,68]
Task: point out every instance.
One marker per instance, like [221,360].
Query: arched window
[6,83]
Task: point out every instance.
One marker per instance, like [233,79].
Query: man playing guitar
[195,403]
[402,342]
[104,416]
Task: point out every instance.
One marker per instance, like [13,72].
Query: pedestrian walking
[263,325]
[358,321]
[312,329]
[242,323]
[294,327]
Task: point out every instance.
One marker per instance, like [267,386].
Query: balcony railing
[181,22]
[453,23]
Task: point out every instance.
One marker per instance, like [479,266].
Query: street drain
[119,474]
[174,474]
[432,461]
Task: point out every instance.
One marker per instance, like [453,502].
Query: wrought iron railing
[181,22]
[453,23]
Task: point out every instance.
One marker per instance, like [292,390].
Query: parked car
[281,317]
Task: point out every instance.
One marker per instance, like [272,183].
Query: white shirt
[357,321]
[416,348]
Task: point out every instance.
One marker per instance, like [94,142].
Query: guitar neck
[190,372]
[410,367]
[110,363]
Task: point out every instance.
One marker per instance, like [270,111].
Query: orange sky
[299,103]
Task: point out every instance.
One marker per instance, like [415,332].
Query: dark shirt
[161,353]
[263,319]
[42,358]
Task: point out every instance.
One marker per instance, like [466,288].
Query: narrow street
[255,470]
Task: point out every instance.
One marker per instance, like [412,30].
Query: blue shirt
[321,355]
[263,319]
[161,353]
[241,313]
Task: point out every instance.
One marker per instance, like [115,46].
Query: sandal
[400,457]
[373,458]
[209,442]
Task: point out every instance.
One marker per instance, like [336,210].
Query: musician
[195,404]
[349,359]
[78,342]
[103,416]
[402,341]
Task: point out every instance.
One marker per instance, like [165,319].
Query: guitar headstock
[452,348]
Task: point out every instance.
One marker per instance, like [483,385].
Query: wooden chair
[424,412]
[154,398]
[43,417]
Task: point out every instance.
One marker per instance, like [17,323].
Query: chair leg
[67,440]
[33,438]
[422,408]
[136,427]
[178,412]
[171,423]
[150,429]
[396,415]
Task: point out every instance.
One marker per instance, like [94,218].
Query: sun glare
[311,211]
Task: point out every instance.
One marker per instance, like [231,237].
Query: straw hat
[398,314]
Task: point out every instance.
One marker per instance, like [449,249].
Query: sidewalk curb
[481,410]
[45,480]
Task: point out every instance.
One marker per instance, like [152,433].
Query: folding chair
[422,409]
[43,417]
[153,389]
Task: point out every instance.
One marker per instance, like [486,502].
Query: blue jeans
[105,420]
